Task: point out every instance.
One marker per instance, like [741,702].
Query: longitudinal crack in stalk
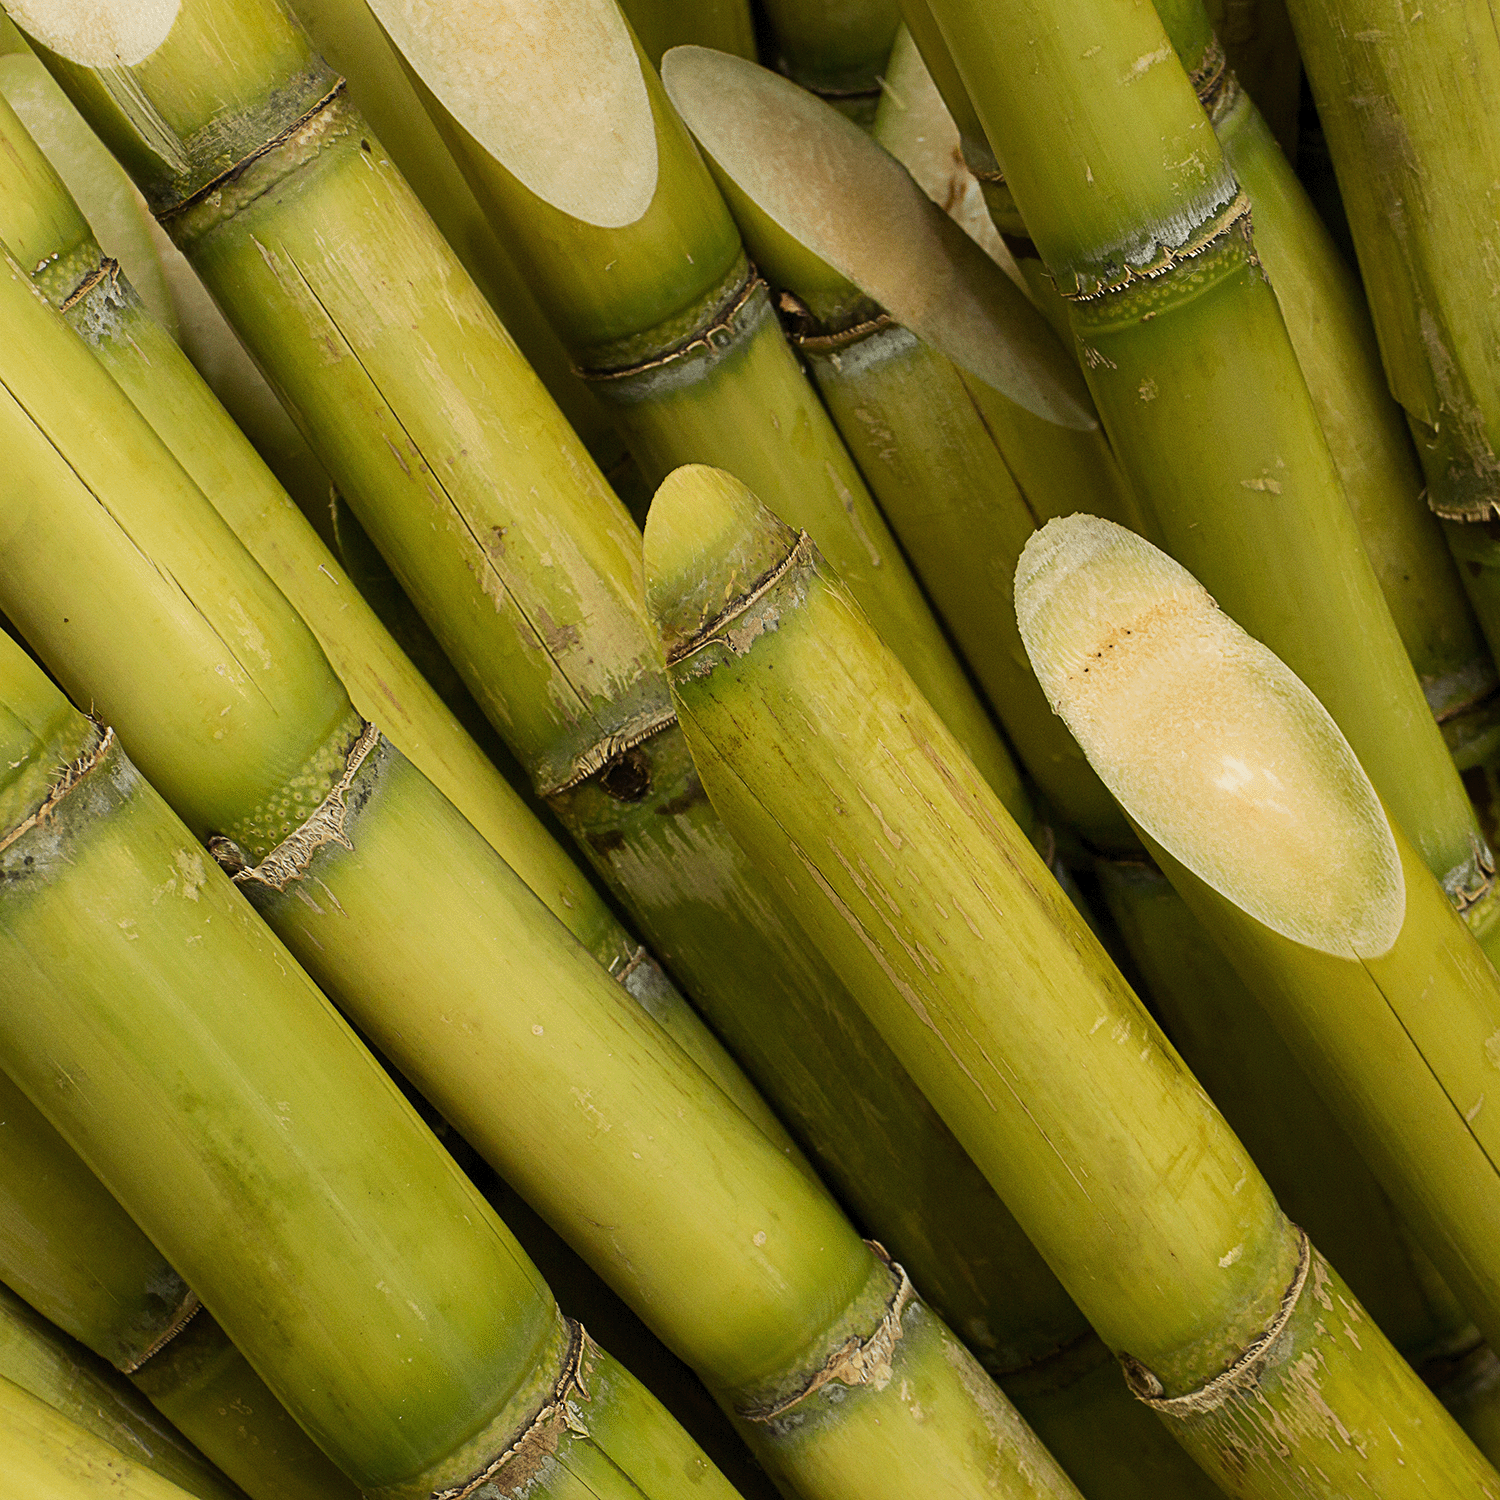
[71,775]
[715,335]
[185,1312]
[1242,1374]
[539,1440]
[857,1361]
[289,860]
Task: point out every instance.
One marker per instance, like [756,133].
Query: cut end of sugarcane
[554,92]
[97,33]
[1207,739]
[845,199]
[709,544]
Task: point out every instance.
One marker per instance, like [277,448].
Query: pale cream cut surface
[851,203]
[552,89]
[97,33]
[1209,741]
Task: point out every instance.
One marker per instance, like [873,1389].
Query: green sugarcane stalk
[44,1454]
[377,1292]
[1136,212]
[1349,974]
[1329,325]
[836,49]
[969,420]
[379,367]
[71,1252]
[46,1363]
[639,266]
[659,25]
[456,972]
[825,760]
[43,226]
[1421,219]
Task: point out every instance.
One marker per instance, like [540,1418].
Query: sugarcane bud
[555,94]
[97,33]
[1207,739]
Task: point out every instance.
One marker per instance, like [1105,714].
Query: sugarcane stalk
[836,49]
[1227,1322]
[639,266]
[235,1094]
[914,125]
[559,652]
[1325,910]
[969,420]
[47,1364]
[44,1454]
[456,972]
[1135,212]
[71,1252]
[1312,1165]
[659,25]
[1329,325]
[45,230]
[1262,51]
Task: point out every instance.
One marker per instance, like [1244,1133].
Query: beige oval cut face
[1208,740]
[552,89]
[97,33]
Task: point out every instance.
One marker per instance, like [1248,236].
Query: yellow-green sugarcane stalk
[71,1252]
[1260,815]
[45,1456]
[914,125]
[638,263]
[836,49]
[1137,213]
[967,417]
[45,230]
[45,1362]
[243,1125]
[659,25]
[1322,1183]
[684,1195]
[1422,219]
[529,573]
[827,763]
[1329,325]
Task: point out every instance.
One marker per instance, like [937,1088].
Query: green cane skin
[216,594]
[837,49]
[348,36]
[724,25]
[1311,1163]
[1422,76]
[609,1128]
[1329,325]
[163,386]
[1179,1267]
[77,1257]
[1253,508]
[78,1385]
[643,292]
[393,295]
[421,1307]
[46,1456]
[629,1442]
